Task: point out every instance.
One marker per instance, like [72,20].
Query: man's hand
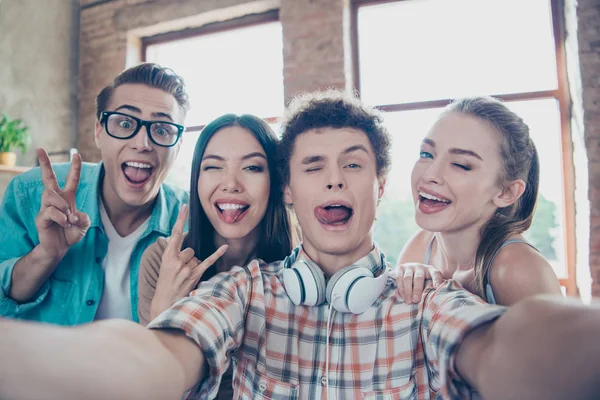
[59,224]
[180,270]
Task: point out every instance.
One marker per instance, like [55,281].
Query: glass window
[233,71]
[435,50]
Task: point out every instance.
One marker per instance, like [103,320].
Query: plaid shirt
[393,350]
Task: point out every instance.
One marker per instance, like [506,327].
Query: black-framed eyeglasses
[125,126]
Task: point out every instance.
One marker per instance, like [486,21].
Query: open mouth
[430,200]
[333,214]
[137,173]
[232,212]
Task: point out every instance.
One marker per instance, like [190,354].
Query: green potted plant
[14,134]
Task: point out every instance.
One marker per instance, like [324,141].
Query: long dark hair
[519,161]
[275,236]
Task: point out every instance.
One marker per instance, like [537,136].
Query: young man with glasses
[73,234]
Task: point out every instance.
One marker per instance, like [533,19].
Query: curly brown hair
[332,109]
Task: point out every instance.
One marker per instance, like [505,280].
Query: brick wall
[588,35]
[314,55]
[315,50]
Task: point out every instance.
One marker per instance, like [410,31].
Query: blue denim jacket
[72,293]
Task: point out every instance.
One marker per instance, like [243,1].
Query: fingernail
[75,219]
[416,299]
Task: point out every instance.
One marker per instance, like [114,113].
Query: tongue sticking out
[231,216]
[333,215]
[137,175]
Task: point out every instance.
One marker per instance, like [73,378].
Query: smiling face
[135,168]
[455,182]
[234,183]
[334,188]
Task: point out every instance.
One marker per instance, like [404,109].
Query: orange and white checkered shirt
[392,351]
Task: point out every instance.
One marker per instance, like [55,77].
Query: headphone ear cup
[293,285]
[364,292]
[305,283]
[340,289]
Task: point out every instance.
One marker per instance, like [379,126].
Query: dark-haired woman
[238,202]
[236,214]
[475,187]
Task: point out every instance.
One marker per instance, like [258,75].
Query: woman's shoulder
[518,251]
[415,248]
[519,270]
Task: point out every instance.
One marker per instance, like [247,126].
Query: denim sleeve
[17,220]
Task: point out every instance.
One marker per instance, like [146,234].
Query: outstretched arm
[112,359]
[542,347]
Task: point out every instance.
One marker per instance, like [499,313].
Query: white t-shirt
[116,296]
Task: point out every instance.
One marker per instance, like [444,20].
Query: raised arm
[112,359]
[543,347]
[168,273]
[59,226]
[147,278]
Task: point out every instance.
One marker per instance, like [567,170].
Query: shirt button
[98,260]
[90,302]
[324,380]
[262,387]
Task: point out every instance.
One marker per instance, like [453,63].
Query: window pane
[182,169]
[547,230]
[235,71]
[395,222]
[395,214]
[434,49]
[241,71]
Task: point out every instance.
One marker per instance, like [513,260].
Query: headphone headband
[352,289]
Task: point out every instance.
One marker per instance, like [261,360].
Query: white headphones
[352,289]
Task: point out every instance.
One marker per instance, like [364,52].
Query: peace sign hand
[59,224]
[180,270]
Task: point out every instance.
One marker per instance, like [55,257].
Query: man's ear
[97,132]
[381,182]
[287,196]
[510,194]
